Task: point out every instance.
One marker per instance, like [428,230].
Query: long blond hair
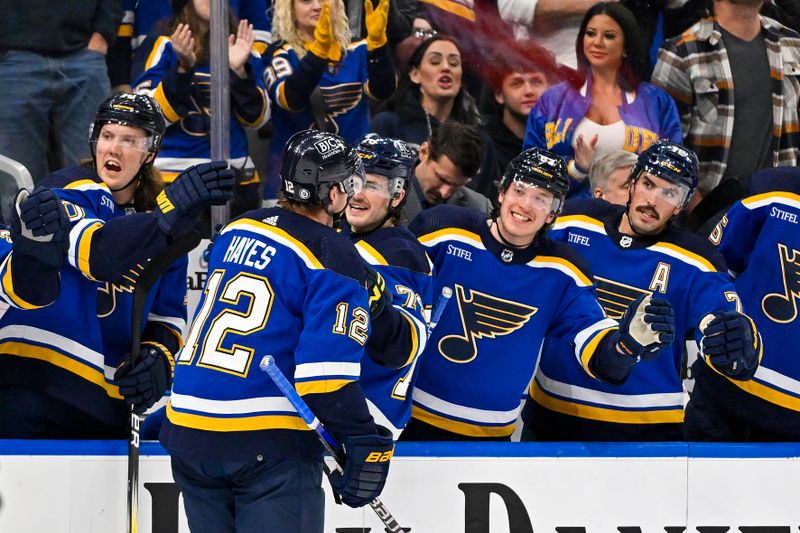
[284,26]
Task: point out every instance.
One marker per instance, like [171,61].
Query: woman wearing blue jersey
[607,106]
[174,69]
[317,78]
[58,364]
[399,331]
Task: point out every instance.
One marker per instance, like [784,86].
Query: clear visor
[383,186]
[664,191]
[127,141]
[354,184]
[537,197]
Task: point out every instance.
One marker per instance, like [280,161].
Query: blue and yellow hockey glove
[196,187]
[366,465]
[731,344]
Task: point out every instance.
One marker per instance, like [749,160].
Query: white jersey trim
[637,401]
[247,406]
[321,370]
[778,380]
[583,336]
[472,414]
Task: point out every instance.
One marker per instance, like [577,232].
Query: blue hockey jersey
[483,352]
[185,100]
[59,349]
[760,239]
[278,284]
[674,265]
[399,258]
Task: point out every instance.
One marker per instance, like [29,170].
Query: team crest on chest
[107,293]
[615,297]
[482,315]
[781,307]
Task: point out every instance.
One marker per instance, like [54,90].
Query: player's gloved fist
[376,20]
[647,326]
[41,227]
[379,296]
[731,344]
[325,45]
[145,384]
[196,187]
[366,465]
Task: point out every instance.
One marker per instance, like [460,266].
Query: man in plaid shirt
[756,126]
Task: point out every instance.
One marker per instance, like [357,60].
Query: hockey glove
[325,45]
[379,296]
[647,326]
[145,384]
[731,344]
[196,187]
[375,21]
[41,227]
[366,465]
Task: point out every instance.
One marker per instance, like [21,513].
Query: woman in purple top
[607,106]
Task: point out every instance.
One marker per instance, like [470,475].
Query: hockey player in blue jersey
[638,250]
[33,250]
[57,380]
[512,286]
[399,330]
[317,78]
[760,240]
[283,282]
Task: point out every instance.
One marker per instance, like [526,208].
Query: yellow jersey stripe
[320,386]
[768,393]
[653,416]
[155,53]
[462,428]
[169,112]
[563,262]
[60,360]
[760,200]
[453,7]
[247,423]
[569,220]
[371,252]
[84,248]
[590,347]
[8,288]
[451,232]
[685,254]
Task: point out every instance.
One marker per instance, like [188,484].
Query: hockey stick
[268,365]
[441,303]
[153,270]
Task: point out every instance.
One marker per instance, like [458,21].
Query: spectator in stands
[317,79]
[608,106]
[144,17]
[447,162]
[52,63]
[734,132]
[175,70]
[57,378]
[608,176]
[400,22]
[429,93]
[521,73]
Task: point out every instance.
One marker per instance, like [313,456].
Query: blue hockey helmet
[540,168]
[136,110]
[670,161]
[314,161]
[387,157]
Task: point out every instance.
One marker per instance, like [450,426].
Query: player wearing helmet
[281,281]
[512,286]
[60,376]
[636,251]
[399,330]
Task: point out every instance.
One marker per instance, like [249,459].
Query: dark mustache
[649,210]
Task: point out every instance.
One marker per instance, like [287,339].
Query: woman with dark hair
[429,93]
[607,106]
